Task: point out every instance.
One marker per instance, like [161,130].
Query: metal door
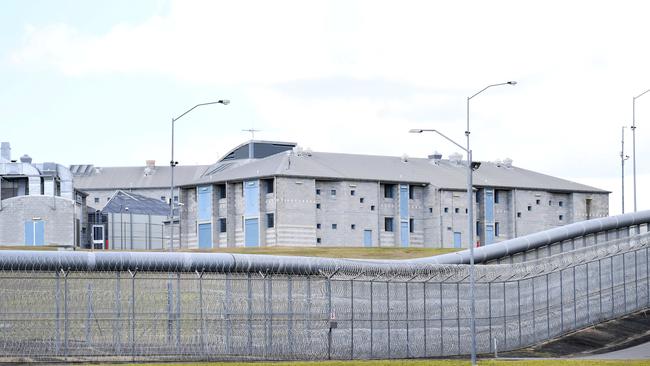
[35,232]
[252,234]
[205,236]
[489,234]
[98,236]
[367,238]
[457,240]
[404,233]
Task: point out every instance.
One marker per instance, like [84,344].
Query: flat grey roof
[135,177]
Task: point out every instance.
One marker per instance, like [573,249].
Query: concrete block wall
[103,195]
[57,213]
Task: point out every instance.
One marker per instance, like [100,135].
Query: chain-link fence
[142,315]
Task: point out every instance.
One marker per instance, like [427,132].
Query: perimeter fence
[413,311]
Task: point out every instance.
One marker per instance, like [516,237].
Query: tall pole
[173,164]
[634,144]
[623,158]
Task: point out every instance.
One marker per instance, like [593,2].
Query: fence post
[388,314]
[519,309]
[408,353]
[351,319]
[647,274]
[133,310]
[372,310]
[575,300]
[118,311]
[490,314]
[250,314]
[636,282]
[600,292]
[270,302]
[227,305]
[289,311]
[561,300]
[170,314]
[58,312]
[532,281]
[505,318]
[89,296]
[458,315]
[624,285]
[65,312]
[178,310]
[329,312]
[548,311]
[442,344]
[201,324]
[611,275]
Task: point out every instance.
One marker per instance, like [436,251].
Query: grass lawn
[425,363]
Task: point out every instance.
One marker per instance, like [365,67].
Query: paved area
[641,351]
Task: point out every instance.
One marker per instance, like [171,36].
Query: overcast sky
[98,81]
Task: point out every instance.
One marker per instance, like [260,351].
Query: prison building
[298,197]
[38,203]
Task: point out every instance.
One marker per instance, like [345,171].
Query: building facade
[303,198]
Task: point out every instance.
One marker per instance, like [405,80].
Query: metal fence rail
[73,313]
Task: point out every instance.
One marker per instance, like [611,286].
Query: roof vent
[498,163]
[308,152]
[405,158]
[436,157]
[298,150]
[150,168]
[26,159]
[507,162]
[456,158]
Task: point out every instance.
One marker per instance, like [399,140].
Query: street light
[623,158]
[173,163]
[470,211]
[634,144]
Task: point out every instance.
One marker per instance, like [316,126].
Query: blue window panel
[29,233]
[367,238]
[404,233]
[489,234]
[404,201]
[457,239]
[39,232]
[489,205]
[251,198]
[205,236]
[252,234]
[204,198]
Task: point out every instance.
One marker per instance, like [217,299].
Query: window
[478,227]
[465,210]
[561,217]
[411,225]
[456,210]
[108,199]
[96,199]
[496,196]
[352,192]
[496,229]
[270,220]
[361,200]
[175,198]
[318,206]
[560,203]
[530,208]
[163,198]
[372,208]
[269,185]
[334,226]
[221,189]
[317,240]
[317,226]
[411,192]
[388,190]
[318,191]
[388,224]
[478,197]
[518,214]
[537,202]
[333,192]
[430,209]
[446,209]
[353,227]
[222,225]
[550,203]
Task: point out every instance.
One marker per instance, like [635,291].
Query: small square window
[430,209]
[222,225]
[221,189]
[411,192]
[530,208]
[334,226]
[361,200]
[270,220]
[411,225]
[352,192]
[317,226]
[560,203]
[96,199]
[537,202]
[456,210]
[333,192]
[318,191]
[175,198]
[388,224]
[446,209]
[353,227]
[550,203]
[561,217]
[318,206]
[496,196]
[465,210]
[518,214]
[317,240]
[496,229]
[388,190]
[372,208]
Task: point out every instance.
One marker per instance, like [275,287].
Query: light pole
[623,158]
[470,215]
[634,144]
[173,164]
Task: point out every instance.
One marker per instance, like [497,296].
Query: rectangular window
[537,202]
[318,191]
[372,207]
[560,203]
[334,226]
[430,209]
[317,226]
[388,190]
[333,192]
[456,210]
[388,224]
[361,200]
[496,196]
[550,203]
[352,192]
[175,198]
[318,206]
[270,220]
[222,225]
[478,227]
[163,198]
[496,229]
[96,199]
[268,183]
[530,208]
[561,217]
[518,214]
[411,225]
[478,197]
[353,227]
[411,195]
[221,190]
[318,240]
[446,209]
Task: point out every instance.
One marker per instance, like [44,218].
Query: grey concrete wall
[103,195]
[57,213]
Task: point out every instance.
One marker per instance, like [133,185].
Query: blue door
[35,232]
[489,234]
[29,233]
[457,240]
[404,233]
[367,238]
[252,234]
[205,236]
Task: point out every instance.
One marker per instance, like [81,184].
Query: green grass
[424,362]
